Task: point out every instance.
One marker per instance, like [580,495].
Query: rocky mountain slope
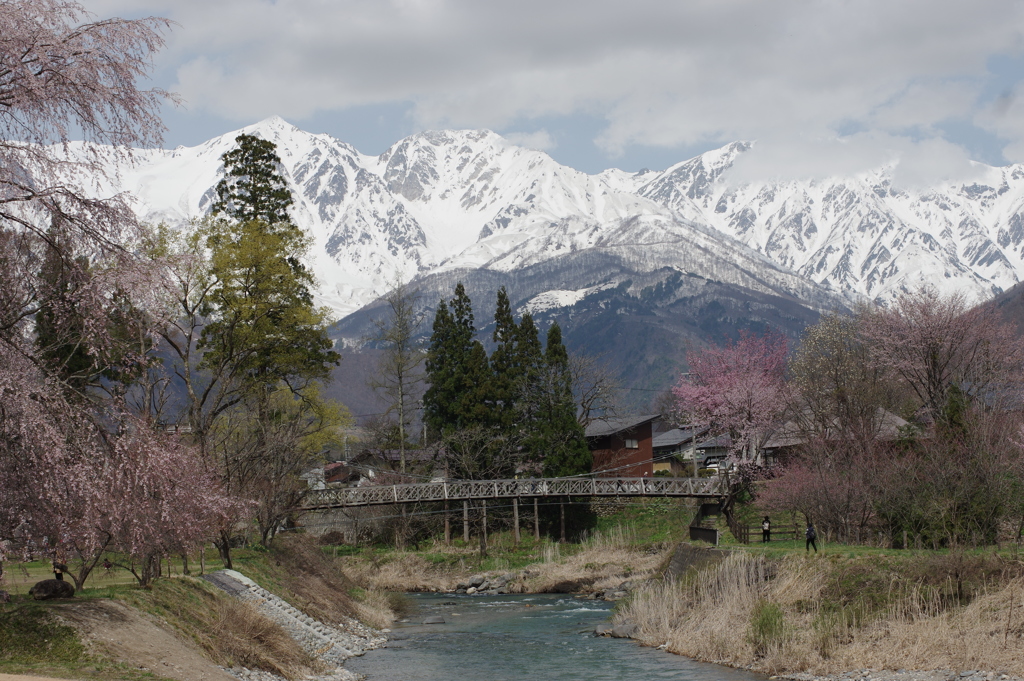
[652,254]
[466,200]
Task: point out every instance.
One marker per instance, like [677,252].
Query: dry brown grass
[230,632]
[723,614]
[252,640]
[603,561]
[316,584]
[402,572]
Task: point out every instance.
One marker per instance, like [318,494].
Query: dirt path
[137,639]
[19,677]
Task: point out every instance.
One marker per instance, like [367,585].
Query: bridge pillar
[536,520]
[465,521]
[447,525]
[483,528]
[561,514]
[515,518]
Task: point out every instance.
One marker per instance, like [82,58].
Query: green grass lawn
[19,577]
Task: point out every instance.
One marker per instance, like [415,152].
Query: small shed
[623,446]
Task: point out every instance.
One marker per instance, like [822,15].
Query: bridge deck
[458,490]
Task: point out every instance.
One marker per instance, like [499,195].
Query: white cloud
[660,73]
[541,140]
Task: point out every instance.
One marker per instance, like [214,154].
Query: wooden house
[623,447]
[675,448]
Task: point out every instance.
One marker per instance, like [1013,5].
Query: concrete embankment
[328,645]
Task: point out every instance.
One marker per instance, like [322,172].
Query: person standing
[812,537]
[766,530]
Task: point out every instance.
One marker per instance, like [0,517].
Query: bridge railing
[458,490]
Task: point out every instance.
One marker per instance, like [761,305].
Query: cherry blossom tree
[79,472]
[738,389]
[934,342]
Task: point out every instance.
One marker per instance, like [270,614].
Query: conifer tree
[253,187]
[457,370]
[567,451]
[504,362]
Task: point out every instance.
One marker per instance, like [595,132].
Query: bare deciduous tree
[399,372]
[595,388]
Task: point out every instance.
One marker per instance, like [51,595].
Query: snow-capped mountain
[438,205]
[862,235]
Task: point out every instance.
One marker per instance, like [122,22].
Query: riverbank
[293,615]
[905,615]
[818,616]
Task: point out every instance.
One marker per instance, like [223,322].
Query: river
[518,638]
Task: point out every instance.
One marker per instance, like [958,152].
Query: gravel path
[329,644]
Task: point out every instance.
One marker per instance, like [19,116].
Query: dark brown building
[622,447]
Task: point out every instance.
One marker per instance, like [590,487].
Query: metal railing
[457,490]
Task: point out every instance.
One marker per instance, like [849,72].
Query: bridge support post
[561,514]
[447,525]
[536,520]
[515,518]
[483,528]
[465,521]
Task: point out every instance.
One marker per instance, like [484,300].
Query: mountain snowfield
[449,202]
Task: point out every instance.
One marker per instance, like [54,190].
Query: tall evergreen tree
[504,360]
[457,370]
[567,451]
[438,402]
[253,187]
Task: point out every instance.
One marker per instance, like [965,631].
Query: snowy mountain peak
[469,200]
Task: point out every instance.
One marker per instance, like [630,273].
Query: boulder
[461,590]
[434,619]
[483,587]
[623,631]
[51,588]
[471,590]
[603,630]
[477,580]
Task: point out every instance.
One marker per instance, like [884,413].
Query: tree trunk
[184,564]
[447,526]
[224,546]
[465,521]
[561,520]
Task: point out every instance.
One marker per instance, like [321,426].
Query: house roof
[677,436]
[723,441]
[887,426]
[603,427]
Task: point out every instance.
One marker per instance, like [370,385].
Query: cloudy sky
[823,86]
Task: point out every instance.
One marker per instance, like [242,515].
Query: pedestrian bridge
[464,490]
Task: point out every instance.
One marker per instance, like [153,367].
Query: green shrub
[767,627]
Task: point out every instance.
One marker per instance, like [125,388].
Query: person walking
[766,530]
[812,537]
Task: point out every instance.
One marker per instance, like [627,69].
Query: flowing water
[515,638]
